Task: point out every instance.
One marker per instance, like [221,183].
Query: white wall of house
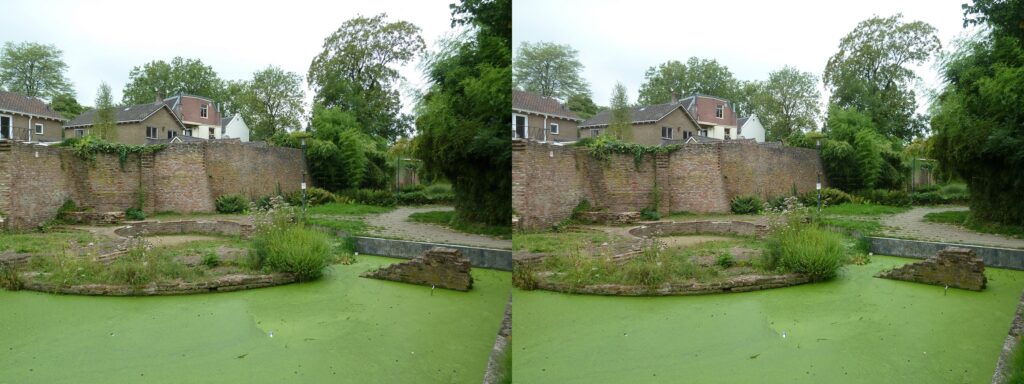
[753,129]
[718,132]
[236,129]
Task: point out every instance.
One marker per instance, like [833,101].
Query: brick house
[137,124]
[199,114]
[539,118]
[659,124]
[26,118]
[716,116]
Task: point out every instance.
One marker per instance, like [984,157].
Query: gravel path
[911,224]
[395,224]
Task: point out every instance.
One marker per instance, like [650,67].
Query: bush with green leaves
[829,197]
[232,204]
[725,261]
[746,205]
[134,214]
[211,260]
[650,214]
[896,198]
[282,246]
[378,197]
[806,249]
[314,196]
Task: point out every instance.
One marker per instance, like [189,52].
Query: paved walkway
[396,224]
[911,224]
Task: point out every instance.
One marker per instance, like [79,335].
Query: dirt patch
[168,240]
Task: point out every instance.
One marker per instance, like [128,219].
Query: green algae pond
[341,328]
[854,329]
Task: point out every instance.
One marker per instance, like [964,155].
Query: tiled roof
[224,121]
[18,103]
[526,101]
[183,138]
[129,114]
[641,114]
[704,139]
[741,121]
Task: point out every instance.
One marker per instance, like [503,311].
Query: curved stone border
[226,283]
[496,362]
[743,283]
[156,228]
[672,228]
[1010,345]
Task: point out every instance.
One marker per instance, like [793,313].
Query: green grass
[352,227]
[47,243]
[806,249]
[865,227]
[446,219]
[1015,374]
[863,209]
[347,209]
[559,242]
[966,220]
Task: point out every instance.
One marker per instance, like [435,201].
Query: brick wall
[696,178]
[184,177]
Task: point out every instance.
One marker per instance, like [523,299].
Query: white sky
[619,40]
[103,39]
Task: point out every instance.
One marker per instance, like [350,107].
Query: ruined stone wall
[695,178]
[241,168]
[33,182]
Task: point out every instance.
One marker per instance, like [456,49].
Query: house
[234,127]
[652,124]
[539,118]
[28,119]
[199,114]
[750,128]
[716,116]
[137,124]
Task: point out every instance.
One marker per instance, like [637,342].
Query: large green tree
[271,101]
[104,122]
[67,105]
[583,105]
[620,124]
[978,119]
[159,78]
[869,72]
[548,69]
[354,72]
[787,101]
[695,76]
[463,118]
[33,69]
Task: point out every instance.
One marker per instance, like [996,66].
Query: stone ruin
[94,218]
[438,267]
[612,218]
[952,267]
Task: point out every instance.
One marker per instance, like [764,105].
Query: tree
[621,123]
[463,117]
[869,72]
[583,105]
[33,69]
[788,101]
[353,72]
[695,76]
[548,69]
[158,79]
[67,105]
[104,122]
[271,101]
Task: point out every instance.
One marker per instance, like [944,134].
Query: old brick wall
[696,178]
[545,182]
[243,168]
[751,169]
[181,180]
[33,177]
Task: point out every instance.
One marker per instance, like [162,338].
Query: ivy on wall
[87,147]
[602,147]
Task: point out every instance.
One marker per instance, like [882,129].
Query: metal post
[304,180]
[817,143]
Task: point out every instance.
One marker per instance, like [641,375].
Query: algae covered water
[341,328]
[854,329]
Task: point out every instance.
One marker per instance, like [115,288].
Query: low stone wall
[951,267]
[1010,345]
[499,259]
[671,228]
[225,283]
[94,218]
[437,267]
[155,228]
[744,283]
[611,218]
[496,363]
[992,256]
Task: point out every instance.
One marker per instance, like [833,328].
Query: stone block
[612,218]
[437,267]
[953,267]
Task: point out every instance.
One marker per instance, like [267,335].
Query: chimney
[675,97]
[159,98]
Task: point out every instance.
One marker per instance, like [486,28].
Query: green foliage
[548,69]
[159,78]
[376,197]
[746,205]
[34,70]
[725,261]
[583,105]
[583,206]
[602,147]
[232,204]
[314,196]
[10,278]
[104,122]
[87,147]
[786,103]
[647,213]
[805,249]
[67,105]
[356,72]
[139,267]
[829,197]
[695,76]
[270,102]
[134,214]
[68,206]
[867,209]
[463,117]
[968,220]
[211,260]
[447,219]
[853,154]
[896,198]
[281,246]
[620,125]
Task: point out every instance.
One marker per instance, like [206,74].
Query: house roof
[224,121]
[130,114]
[641,114]
[21,104]
[531,102]
[176,139]
[741,121]
[702,139]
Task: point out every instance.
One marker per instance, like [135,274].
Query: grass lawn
[964,219]
[865,227]
[444,218]
[341,328]
[48,243]
[346,209]
[853,329]
[863,209]
[352,227]
[559,242]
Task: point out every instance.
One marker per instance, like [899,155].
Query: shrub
[829,197]
[927,188]
[10,279]
[232,204]
[886,197]
[928,198]
[806,249]
[291,248]
[314,196]
[372,197]
[68,206]
[746,204]
[725,261]
[650,214]
[211,260]
[583,206]
[134,214]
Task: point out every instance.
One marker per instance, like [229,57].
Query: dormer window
[720,111]
[202,111]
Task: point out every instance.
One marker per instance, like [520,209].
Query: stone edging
[490,258]
[153,228]
[495,364]
[672,228]
[992,256]
[225,283]
[743,283]
[1010,345]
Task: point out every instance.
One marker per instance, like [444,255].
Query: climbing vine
[602,147]
[87,147]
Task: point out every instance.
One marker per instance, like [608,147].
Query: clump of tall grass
[283,246]
[805,248]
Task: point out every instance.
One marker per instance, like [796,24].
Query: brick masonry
[951,267]
[184,177]
[548,181]
[439,267]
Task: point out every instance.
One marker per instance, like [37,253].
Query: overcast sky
[103,40]
[620,40]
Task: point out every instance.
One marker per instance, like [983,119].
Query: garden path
[911,224]
[396,224]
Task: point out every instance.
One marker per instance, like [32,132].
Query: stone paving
[911,225]
[396,224]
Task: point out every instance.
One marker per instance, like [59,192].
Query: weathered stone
[744,283]
[154,228]
[226,283]
[94,218]
[438,267]
[671,228]
[953,267]
[610,217]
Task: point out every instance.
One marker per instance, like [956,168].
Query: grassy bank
[447,219]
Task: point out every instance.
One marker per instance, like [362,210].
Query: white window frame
[704,132]
[687,135]
[10,128]
[553,128]
[663,130]
[186,132]
[595,132]
[204,111]
[172,134]
[720,111]
[39,128]
[153,135]
[79,132]
[526,125]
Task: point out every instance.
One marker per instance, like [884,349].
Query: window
[150,132]
[595,132]
[187,132]
[666,133]
[687,135]
[79,132]
[6,127]
[727,136]
[554,129]
[720,111]
[213,133]
[39,129]
[704,132]
[519,127]
[172,134]
[202,111]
